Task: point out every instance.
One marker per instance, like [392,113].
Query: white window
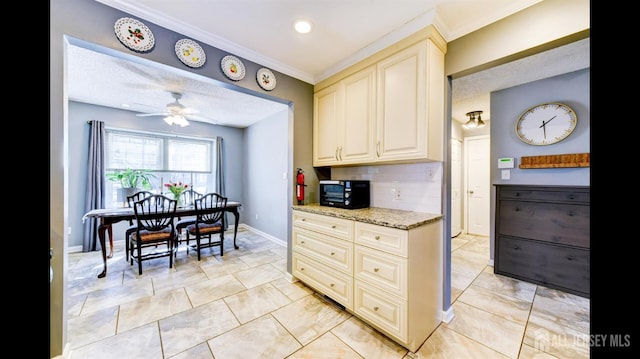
[170,158]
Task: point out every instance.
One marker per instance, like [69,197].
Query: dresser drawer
[383,270]
[550,222]
[337,227]
[547,194]
[336,285]
[386,311]
[391,240]
[550,265]
[336,253]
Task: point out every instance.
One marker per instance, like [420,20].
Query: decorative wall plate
[134,34]
[266,79]
[190,53]
[232,67]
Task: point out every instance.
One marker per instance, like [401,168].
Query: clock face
[546,124]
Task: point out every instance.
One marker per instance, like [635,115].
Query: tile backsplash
[411,187]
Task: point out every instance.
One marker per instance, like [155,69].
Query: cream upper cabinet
[410,106]
[344,120]
[388,108]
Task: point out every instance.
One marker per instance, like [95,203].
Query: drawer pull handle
[376,269]
[332,285]
[302,269]
[333,227]
[377,238]
[375,309]
[304,219]
[301,242]
[333,253]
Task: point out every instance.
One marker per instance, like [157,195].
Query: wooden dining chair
[155,225]
[132,226]
[209,221]
[188,198]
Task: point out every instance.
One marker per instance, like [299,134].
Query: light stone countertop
[386,217]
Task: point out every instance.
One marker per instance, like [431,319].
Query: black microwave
[349,194]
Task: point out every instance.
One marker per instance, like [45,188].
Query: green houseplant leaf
[131,178]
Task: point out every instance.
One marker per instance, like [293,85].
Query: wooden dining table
[109,216]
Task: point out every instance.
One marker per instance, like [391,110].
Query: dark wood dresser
[542,235]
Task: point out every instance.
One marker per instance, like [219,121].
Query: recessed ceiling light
[302,26]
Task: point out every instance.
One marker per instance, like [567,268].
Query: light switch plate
[506,174]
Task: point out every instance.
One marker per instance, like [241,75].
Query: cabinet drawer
[333,252]
[391,240]
[383,270]
[563,195]
[330,282]
[383,310]
[337,227]
[550,222]
[546,264]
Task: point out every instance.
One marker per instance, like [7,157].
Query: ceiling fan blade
[152,114]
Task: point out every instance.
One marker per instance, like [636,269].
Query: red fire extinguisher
[300,186]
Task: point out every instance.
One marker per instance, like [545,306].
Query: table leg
[101,233]
[110,231]
[236,214]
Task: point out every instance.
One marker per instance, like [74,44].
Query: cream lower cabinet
[393,281]
[323,255]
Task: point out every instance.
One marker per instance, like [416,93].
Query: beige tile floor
[241,305]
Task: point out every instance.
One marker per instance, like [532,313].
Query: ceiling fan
[176,112]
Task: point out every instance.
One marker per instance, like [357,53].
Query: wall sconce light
[474,122]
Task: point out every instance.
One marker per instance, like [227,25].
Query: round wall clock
[266,79]
[546,124]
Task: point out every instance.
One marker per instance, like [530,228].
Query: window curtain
[94,197]
[219,166]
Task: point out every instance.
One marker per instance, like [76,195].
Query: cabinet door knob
[376,269]
[332,285]
[333,227]
[301,242]
[377,238]
[333,253]
[304,219]
[375,309]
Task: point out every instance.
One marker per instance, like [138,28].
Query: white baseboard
[447,315]
[266,235]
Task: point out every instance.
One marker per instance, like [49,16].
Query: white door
[456,187]
[477,187]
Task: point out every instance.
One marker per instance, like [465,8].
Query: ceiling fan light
[176,120]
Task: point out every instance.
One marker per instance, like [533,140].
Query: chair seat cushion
[205,228]
[146,236]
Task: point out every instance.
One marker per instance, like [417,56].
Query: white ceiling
[344,32]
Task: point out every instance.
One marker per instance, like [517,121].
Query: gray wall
[572,89]
[267,170]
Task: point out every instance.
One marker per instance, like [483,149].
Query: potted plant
[131,180]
